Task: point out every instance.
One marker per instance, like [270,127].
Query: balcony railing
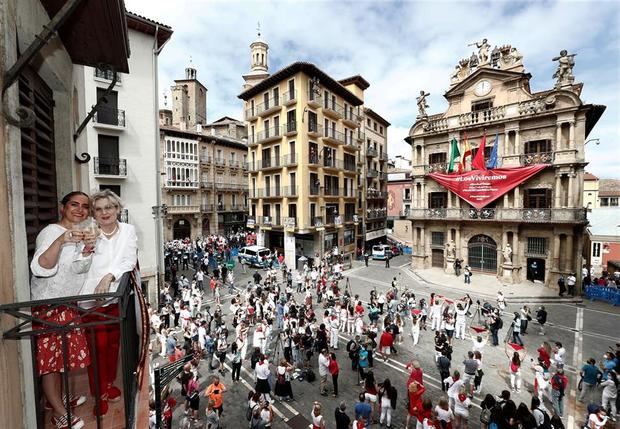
[331,192]
[351,117]
[333,136]
[290,191]
[238,207]
[23,322]
[110,167]
[383,176]
[106,74]
[289,97]
[273,162]
[534,215]
[271,105]
[537,158]
[360,136]
[110,116]
[481,116]
[333,109]
[220,162]
[314,100]
[271,192]
[348,192]
[371,152]
[438,167]
[183,209]
[265,220]
[349,165]
[266,135]
[374,194]
[290,128]
[123,216]
[372,174]
[314,129]
[376,213]
[206,208]
[288,160]
[315,190]
[205,159]
[383,156]
[181,184]
[317,221]
[233,163]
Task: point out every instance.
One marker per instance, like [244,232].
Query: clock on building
[482,88]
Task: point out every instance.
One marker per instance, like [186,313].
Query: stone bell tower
[189,100]
[259,69]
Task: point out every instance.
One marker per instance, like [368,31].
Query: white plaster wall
[138,144]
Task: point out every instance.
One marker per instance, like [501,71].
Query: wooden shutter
[38,157]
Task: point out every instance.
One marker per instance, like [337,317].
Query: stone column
[422,248]
[571,190]
[505,200]
[415,195]
[457,242]
[423,195]
[517,144]
[515,248]
[568,256]
[423,160]
[289,249]
[517,198]
[449,199]
[571,135]
[558,136]
[556,252]
[414,241]
[558,191]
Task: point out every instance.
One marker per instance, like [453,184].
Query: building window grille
[437,238]
[537,246]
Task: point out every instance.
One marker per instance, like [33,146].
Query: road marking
[609,313]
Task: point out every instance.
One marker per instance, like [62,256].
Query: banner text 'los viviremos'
[481,187]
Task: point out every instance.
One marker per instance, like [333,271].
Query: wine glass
[91,230]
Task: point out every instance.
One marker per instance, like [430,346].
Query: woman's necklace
[110,234]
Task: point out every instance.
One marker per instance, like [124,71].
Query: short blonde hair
[106,193]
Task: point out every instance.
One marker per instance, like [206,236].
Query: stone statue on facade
[422,106]
[473,61]
[495,57]
[564,72]
[450,249]
[483,51]
[507,252]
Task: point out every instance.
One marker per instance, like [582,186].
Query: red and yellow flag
[466,153]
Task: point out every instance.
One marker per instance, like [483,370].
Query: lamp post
[159,213]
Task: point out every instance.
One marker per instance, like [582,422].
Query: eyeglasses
[107,208]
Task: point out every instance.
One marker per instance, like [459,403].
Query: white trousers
[460,330]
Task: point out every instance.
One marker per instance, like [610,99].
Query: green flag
[454,156]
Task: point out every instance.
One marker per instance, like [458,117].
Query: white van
[254,256]
[381,251]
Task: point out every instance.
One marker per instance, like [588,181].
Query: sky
[399,47]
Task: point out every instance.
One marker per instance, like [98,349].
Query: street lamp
[596,141]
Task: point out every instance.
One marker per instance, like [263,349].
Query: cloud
[400,47]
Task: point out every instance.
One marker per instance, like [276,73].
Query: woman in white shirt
[462,404]
[444,413]
[59,271]
[116,252]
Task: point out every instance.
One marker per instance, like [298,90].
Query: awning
[96,32]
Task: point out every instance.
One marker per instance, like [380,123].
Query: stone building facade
[541,219]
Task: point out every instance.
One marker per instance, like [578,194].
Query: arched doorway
[181,229]
[482,254]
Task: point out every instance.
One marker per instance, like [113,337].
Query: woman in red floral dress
[58,270]
[415,391]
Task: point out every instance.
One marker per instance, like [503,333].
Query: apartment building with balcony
[373,180]
[303,147]
[121,135]
[399,201]
[542,218]
[204,180]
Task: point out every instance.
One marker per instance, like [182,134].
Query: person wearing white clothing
[558,354]
[460,321]
[610,393]
[435,315]
[115,253]
[415,329]
[323,371]
[334,331]
[462,404]
[454,384]
[515,372]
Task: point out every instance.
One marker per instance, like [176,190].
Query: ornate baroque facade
[541,219]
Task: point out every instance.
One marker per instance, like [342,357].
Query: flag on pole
[455,156]
[466,153]
[492,163]
[478,161]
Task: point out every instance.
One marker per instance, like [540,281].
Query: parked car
[395,250]
[381,251]
[255,256]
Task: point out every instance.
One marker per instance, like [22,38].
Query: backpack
[249,412]
[500,323]
[546,424]
[485,416]
[310,376]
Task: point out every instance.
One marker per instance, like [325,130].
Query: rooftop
[204,136]
[589,176]
[604,221]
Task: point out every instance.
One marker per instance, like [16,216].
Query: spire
[259,49]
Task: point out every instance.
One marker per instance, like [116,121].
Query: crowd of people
[289,323]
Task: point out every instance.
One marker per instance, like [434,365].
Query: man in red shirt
[385,343]
[559,384]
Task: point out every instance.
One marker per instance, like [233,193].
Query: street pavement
[586,330]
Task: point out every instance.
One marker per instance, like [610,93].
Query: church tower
[189,101]
[259,50]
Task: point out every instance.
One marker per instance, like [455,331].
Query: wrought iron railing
[107,74]
[27,325]
[110,166]
[535,215]
[537,158]
[110,116]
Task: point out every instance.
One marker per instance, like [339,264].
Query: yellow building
[542,219]
[590,191]
[304,158]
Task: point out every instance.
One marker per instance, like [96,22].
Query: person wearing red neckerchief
[415,391]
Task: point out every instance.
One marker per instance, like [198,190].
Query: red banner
[479,188]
